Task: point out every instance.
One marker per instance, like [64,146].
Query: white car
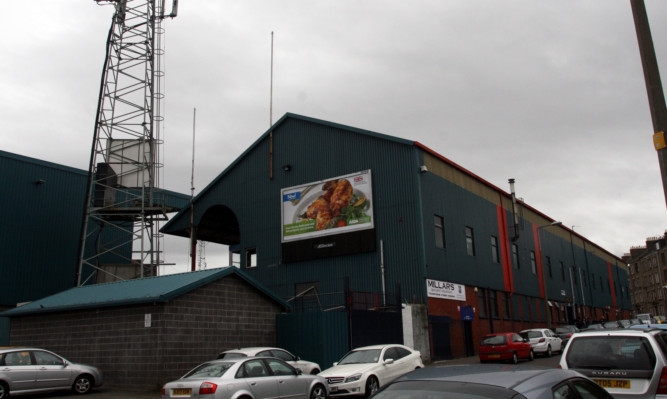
[543,341]
[363,371]
[305,366]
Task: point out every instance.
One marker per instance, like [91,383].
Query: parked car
[543,340]
[33,370]
[493,381]
[612,324]
[645,318]
[565,332]
[505,346]
[626,323]
[629,363]
[305,366]
[246,377]
[592,327]
[363,371]
[660,319]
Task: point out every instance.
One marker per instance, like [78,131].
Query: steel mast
[123,203]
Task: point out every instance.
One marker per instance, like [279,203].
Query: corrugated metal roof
[133,292]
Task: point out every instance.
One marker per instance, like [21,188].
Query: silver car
[32,370]
[298,363]
[492,381]
[247,377]
[629,363]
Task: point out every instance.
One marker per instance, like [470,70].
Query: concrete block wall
[134,353]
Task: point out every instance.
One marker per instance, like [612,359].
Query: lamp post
[544,278]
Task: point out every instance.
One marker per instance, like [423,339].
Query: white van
[645,318]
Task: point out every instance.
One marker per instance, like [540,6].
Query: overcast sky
[550,93]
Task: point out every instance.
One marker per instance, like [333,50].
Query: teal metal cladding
[40,228]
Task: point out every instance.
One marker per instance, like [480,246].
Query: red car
[505,346]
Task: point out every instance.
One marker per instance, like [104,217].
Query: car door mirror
[526,340]
[389,361]
[335,364]
[299,371]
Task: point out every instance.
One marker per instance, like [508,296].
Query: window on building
[582,275]
[573,274]
[495,256]
[518,308]
[506,305]
[493,304]
[562,271]
[234,257]
[439,226]
[601,286]
[481,302]
[515,256]
[548,259]
[470,241]
[251,257]
[533,262]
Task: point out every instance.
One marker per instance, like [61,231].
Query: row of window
[495,256]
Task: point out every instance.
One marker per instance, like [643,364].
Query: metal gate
[324,337]
[368,327]
[320,337]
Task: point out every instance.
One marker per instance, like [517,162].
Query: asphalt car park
[106,392]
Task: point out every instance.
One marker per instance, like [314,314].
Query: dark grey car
[32,370]
[478,381]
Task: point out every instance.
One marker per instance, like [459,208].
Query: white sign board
[341,204]
[445,290]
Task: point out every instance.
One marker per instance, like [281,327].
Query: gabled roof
[185,210]
[134,292]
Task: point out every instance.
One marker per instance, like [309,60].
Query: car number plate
[181,391]
[623,384]
[494,356]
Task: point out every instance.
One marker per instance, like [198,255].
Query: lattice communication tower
[124,205]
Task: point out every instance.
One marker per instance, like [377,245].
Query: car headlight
[353,377]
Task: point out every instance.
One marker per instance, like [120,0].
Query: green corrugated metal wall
[317,151]
[40,228]
[320,337]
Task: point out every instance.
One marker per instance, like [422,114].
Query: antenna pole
[193,239]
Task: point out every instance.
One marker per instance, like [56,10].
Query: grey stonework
[184,332]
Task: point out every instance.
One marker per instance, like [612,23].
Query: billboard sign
[444,290]
[342,204]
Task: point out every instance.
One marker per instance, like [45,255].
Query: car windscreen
[494,340]
[363,356]
[562,331]
[231,355]
[611,352]
[533,334]
[444,390]
[208,370]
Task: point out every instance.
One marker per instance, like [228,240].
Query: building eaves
[134,292]
[174,220]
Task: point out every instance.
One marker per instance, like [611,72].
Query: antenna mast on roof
[123,203]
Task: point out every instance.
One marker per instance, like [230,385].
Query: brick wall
[184,332]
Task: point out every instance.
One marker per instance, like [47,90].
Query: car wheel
[372,386]
[82,384]
[4,391]
[515,358]
[531,355]
[318,392]
[548,353]
[314,371]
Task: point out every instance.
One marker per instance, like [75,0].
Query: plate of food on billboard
[332,206]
